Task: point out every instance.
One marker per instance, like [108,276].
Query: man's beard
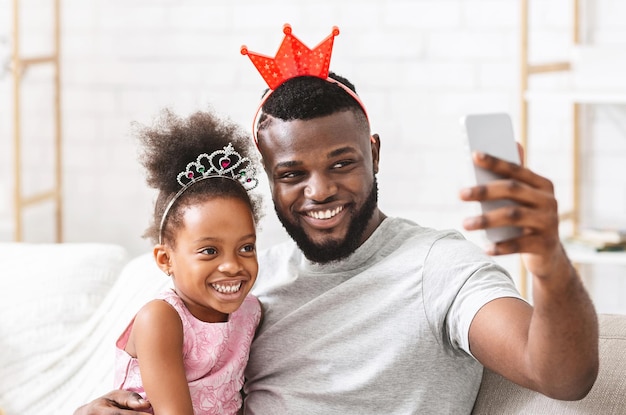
[329,251]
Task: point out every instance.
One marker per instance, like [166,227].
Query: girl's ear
[162,258]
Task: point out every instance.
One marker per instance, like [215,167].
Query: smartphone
[492,134]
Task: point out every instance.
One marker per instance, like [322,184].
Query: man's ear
[162,258]
[375,142]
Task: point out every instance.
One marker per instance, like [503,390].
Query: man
[371,314]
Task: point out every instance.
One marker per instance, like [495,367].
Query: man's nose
[319,188]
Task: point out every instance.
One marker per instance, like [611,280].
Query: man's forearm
[563,336]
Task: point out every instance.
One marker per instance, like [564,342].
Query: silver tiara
[226,163]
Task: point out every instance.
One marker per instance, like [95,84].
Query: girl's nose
[230,265]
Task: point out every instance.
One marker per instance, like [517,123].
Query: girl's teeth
[227,288]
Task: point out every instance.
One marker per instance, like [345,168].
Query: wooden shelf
[578,96]
[590,75]
[582,255]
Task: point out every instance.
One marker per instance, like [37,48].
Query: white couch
[62,306]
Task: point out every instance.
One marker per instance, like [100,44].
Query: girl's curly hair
[166,149]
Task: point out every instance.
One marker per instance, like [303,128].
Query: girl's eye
[209,251]
[248,248]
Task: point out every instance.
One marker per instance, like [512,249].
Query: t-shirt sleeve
[459,279]
[483,285]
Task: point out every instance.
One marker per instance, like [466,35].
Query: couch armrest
[608,395]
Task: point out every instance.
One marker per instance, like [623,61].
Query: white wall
[418,65]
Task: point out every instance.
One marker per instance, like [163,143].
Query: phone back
[493,134]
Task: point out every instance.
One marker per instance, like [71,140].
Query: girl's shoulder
[157,313]
[155,323]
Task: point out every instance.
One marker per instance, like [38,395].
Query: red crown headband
[295,59]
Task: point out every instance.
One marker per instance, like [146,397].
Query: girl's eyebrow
[214,239]
[206,239]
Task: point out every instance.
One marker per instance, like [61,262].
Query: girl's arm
[157,337]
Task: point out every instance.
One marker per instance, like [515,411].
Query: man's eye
[341,164]
[289,175]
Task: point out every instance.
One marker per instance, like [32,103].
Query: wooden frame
[19,66]
[526,70]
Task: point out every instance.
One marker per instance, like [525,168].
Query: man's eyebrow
[295,163]
[340,151]
[288,164]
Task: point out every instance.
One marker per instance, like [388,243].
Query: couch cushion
[608,395]
[48,292]
[82,368]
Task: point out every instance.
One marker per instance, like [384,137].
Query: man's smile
[324,214]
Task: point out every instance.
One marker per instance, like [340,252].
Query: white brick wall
[418,65]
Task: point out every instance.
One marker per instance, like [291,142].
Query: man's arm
[117,402]
[551,347]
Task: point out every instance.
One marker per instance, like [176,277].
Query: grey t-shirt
[384,331]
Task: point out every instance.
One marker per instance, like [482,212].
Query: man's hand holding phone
[528,214]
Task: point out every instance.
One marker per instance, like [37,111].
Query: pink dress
[215,355]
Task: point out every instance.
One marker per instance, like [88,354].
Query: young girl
[186,351]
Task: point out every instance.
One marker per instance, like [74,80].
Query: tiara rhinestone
[225,163]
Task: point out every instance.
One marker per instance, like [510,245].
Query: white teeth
[227,288]
[325,214]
